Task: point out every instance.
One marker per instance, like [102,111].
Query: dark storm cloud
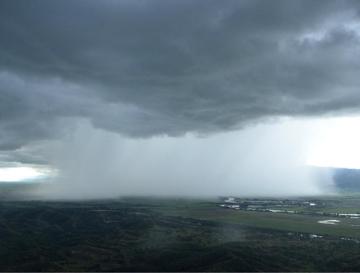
[144,68]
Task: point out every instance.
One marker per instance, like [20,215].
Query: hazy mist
[259,160]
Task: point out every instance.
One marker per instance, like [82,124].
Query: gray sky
[166,71]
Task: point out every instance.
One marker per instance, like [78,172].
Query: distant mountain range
[347,179]
[17,191]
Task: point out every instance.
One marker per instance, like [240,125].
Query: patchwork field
[299,222]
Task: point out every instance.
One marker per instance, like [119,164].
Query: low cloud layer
[145,69]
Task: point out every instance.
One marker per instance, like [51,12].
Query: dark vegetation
[146,235]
